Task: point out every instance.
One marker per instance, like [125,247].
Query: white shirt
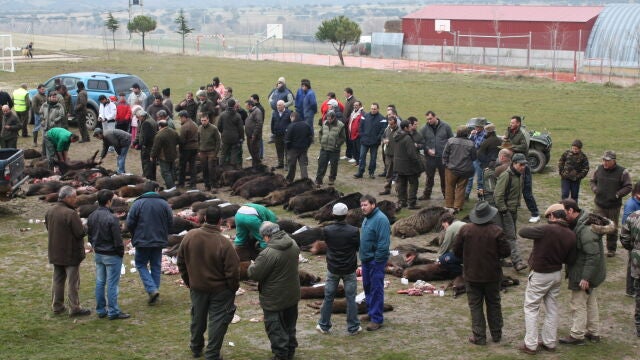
[107,111]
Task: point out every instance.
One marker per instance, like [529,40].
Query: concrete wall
[540,59]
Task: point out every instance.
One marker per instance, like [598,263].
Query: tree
[142,24]
[339,31]
[183,27]
[113,25]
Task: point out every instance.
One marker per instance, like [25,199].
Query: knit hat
[97,131]
[281,80]
[201,93]
[577,143]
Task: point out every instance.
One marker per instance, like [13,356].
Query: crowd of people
[212,127]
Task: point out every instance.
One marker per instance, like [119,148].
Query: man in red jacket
[123,113]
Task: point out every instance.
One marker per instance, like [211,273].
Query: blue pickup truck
[11,169]
[96,84]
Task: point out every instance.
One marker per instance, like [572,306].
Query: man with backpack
[507,199]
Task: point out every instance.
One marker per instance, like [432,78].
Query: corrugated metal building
[615,38]
[552,27]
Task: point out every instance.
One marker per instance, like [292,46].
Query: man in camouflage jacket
[573,166]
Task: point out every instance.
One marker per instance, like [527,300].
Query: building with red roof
[551,27]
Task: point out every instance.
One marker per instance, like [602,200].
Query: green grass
[420,327]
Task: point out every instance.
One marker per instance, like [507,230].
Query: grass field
[419,327]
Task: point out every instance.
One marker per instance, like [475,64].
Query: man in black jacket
[297,140]
[343,243]
[105,238]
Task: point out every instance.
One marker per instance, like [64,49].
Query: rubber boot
[35,138]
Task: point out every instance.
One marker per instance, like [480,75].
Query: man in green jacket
[276,268]
[586,274]
[332,136]
[248,219]
[507,200]
[57,142]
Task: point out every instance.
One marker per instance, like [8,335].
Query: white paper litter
[360,298]
[394,252]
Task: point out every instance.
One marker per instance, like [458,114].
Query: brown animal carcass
[289,226]
[129,191]
[427,272]
[260,186]
[199,205]
[317,292]
[169,193]
[45,188]
[118,181]
[282,196]
[419,223]
[389,208]
[229,177]
[31,154]
[312,200]
[325,213]
[305,238]
[340,306]
[86,199]
[179,225]
[188,198]
[78,164]
[37,172]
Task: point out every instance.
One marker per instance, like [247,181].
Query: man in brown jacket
[209,266]
[231,135]
[165,153]
[253,129]
[188,149]
[66,251]
[554,244]
[480,245]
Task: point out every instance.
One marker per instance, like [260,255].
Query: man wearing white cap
[343,243]
[280,92]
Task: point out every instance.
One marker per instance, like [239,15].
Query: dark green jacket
[164,145]
[332,136]
[406,160]
[276,270]
[590,264]
[508,190]
[518,140]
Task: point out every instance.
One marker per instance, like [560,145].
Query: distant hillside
[65,6]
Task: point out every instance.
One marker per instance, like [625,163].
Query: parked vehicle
[539,149]
[12,170]
[539,144]
[96,84]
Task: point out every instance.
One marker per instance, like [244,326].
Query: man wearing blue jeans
[149,220]
[374,253]
[105,238]
[119,140]
[343,242]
